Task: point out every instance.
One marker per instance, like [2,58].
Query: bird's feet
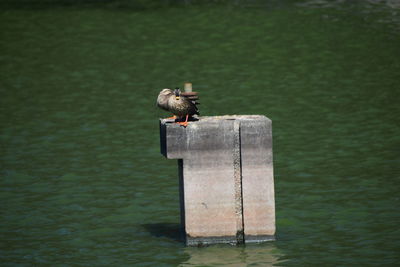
[183,123]
[171,118]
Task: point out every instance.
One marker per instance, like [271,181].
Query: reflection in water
[224,255]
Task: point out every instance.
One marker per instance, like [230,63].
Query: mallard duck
[178,104]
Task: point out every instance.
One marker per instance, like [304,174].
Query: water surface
[83,182]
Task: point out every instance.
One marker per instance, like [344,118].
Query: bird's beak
[177,97]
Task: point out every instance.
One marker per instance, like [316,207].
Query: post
[188,87]
[226,177]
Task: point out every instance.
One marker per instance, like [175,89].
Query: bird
[182,105]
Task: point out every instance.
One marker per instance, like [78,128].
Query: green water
[82,179]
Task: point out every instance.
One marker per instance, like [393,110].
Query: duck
[178,104]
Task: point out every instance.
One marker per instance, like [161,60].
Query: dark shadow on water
[169,230]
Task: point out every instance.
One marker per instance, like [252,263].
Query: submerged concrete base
[226,178]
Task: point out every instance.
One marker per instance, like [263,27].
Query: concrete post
[226,177]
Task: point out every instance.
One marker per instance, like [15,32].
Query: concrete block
[226,177]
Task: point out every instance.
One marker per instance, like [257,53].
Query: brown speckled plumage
[176,103]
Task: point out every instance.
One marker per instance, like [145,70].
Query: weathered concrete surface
[226,177]
[257,180]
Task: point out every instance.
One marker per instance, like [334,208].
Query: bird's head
[177,93]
